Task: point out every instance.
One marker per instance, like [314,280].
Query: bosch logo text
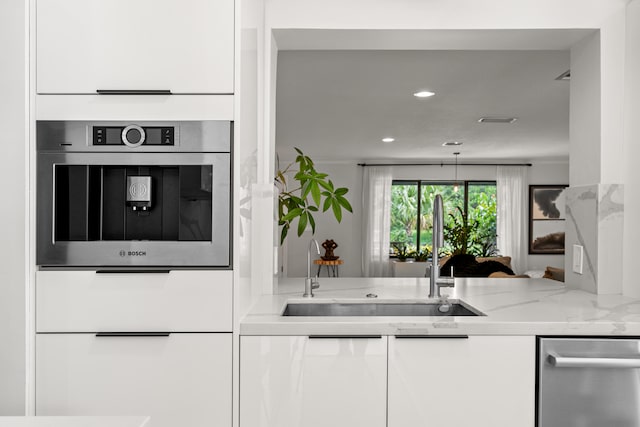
[132,253]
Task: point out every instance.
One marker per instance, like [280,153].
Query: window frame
[464,184]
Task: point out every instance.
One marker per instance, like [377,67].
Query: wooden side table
[332,266]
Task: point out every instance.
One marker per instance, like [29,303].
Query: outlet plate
[578,253]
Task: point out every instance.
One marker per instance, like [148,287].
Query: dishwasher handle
[592,362]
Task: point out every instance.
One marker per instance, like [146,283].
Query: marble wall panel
[594,215]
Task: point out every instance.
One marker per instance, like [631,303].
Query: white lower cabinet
[183,379]
[300,381]
[483,381]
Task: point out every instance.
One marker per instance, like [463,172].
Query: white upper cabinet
[184,46]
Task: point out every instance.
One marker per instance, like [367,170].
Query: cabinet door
[180,380]
[484,381]
[309,382]
[180,301]
[185,46]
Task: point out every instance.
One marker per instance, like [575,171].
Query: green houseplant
[301,196]
[458,232]
[469,236]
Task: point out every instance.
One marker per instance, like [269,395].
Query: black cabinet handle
[133,334]
[133,271]
[343,336]
[133,92]
[449,337]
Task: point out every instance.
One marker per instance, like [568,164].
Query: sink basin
[457,308]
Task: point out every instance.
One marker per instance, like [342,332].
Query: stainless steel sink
[457,308]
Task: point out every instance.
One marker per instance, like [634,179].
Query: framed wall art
[546,219]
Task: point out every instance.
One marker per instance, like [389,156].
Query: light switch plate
[577,258]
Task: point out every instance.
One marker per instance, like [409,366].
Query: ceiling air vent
[564,76]
[497,120]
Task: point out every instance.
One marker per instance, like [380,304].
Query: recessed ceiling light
[424,94]
[388,139]
[449,143]
[497,119]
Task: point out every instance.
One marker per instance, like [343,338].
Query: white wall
[597,140]
[603,15]
[12,216]
[631,252]
[584,128]
[348,234]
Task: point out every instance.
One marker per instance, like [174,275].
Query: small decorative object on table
[329,245]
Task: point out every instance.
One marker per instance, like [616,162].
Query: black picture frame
[547,219]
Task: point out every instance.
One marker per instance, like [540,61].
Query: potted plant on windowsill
[402,252]
[423,254]
[301,196]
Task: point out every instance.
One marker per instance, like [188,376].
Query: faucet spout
[435,281]
[311,283]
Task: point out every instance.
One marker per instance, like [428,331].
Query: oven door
[133,210]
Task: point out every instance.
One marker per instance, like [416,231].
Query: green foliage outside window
[473,231]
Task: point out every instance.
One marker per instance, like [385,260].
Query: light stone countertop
[512,307]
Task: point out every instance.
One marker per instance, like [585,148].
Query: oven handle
[592,362]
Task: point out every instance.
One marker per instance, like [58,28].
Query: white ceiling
[338,105]
[393,39]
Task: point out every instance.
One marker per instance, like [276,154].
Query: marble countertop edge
[512,307]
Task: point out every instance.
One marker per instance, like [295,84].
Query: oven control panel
[133,135]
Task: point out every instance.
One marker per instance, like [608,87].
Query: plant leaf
[306,188]
[302,176]
[341,191]
[312,222]
[292,214]
[344,203]
[302,223]
[327,203]
[283,233]
[315,192]
[337,210]
[325,185]
[296,201]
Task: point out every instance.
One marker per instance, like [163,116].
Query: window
[412,208]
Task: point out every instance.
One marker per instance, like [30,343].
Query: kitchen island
[403,371]
[511,307]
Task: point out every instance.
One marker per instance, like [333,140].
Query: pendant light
[455,183]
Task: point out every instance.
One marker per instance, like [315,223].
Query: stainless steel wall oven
[143,194]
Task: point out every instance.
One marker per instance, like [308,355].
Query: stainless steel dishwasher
[589,382]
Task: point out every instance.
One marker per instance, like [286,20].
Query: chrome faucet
[435,281]
[311,283]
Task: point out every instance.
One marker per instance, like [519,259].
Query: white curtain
[376,213]
[511,189]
